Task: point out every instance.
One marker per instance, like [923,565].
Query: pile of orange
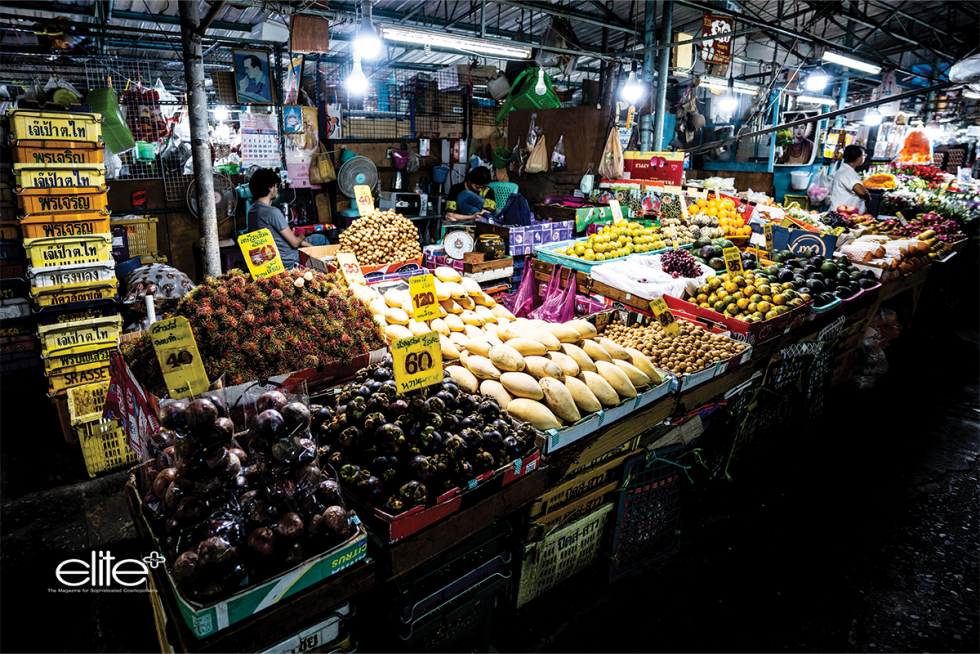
[725,210]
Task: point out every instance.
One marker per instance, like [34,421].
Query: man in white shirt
[847,189]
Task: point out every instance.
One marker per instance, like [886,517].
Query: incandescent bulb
[872,118]
[817,80]
[540,88]
[728,102]
[221,114]
[356,82]
[633,89]
[367,43]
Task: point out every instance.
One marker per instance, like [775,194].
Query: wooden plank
[483,266]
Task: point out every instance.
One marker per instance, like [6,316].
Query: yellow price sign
[733,259]
[767,230]
[176,349]
[617,211]
[665,317]
[418,361]
[349,267]
[365,199]
[422,288]
[261,253]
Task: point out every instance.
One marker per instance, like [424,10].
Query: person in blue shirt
[264,185]
[469,200]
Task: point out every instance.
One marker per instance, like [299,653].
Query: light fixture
[357,83]
[815,99]
[633,89]
[729,102]
[221,114]
[873,117]
[971,94]
[540,88]
[817,80]
[721,84]
[403,34]
[367,43]
[850,62]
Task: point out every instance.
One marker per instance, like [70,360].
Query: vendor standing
[847,189]
[264,185]
[468,200]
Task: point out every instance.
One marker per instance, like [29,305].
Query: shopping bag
[611,166]
[526,298]
[321,167]
[559,304]
[538,161]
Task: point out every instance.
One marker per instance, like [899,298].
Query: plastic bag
[526,299]
[113,163]
[820,188]
[611,166]
[538,161]
[533,133]
[559,304]
[558,155]
[642,276]
[588,181]
[321,167]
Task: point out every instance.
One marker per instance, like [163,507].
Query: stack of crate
[64,220]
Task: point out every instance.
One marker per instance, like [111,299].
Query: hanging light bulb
[728,102]
[817,80]
[221,114]
[872,118]
[633,89]
[367,43]
[357,83]
[540,88]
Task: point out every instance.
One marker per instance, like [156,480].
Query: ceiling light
[540,88]
[729,102]
[856,64]
[971,94]
[633,89]
[221,114]
[467,44]
[817,80]
[357,83]
[816,99]
[873,117]
[367,43]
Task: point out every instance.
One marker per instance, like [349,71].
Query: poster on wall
[293,80]
[833,147]
[253,81]
[716,51]
[798,143]
[260,141]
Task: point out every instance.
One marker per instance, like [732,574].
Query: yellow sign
[422,288]
[665,317]
[673,236]
[767,230]
[261,253]
[733,260]
[365,199]
[418,361]
[85,402]
[350,268]
[179,359]
[617,211]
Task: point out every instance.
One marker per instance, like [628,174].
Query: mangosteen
[455,446]
[377,402]
[230,531]
[218,403]
[185,568]
[262,541]
[291,526]
[271,400]
[349,437]
[390,390]
[173,415]
[371,488]
[356,409]
[263,513]
[330,493]
[381,374]
[394,505]
[421,466]
[200,415]
[349,473]
[319,416]
[398,407]
[363,391]
[483,461]
[296,416]
[413,493]
[434,420]
[189,509]
[337,521]
[268,425]
[489,410]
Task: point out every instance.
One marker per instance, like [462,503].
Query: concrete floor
[858,534]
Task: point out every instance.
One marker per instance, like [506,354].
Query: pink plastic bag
[526,298]
[559,304]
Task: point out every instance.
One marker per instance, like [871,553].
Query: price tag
[418,361]
[179,359]
[733,260]
[665,317]
[422,288]
[365,199]
[673,236]
[767,230]
[350,268]
[261,254]
[617,211]
[683,202]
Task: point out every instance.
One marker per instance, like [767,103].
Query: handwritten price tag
[733,260]
[617,211]
[365,199]
[422,288]
[349,267]
[261,254]
[665,317]
[767,230]
[418,361]
[179,358]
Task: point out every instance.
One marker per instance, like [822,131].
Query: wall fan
[225,199]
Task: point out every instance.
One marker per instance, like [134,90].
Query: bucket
[800,179]
[400,157]
[501,157]
[346,155]
[499,86]
[440,173]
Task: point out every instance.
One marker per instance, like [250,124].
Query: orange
[764,307]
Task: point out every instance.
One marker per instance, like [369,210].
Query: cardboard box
[644,165]
[798,240]
[524,241]
[542,525]
[322,258]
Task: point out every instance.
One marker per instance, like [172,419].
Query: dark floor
[859,534]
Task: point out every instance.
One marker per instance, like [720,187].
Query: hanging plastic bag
[526,299]
[321,167]
[820,188]
[558,155]
[588,181]
[611,166]
[533,133]
[35,91]
[538,161]
[559,304]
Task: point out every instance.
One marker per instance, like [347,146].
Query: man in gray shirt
[264,185]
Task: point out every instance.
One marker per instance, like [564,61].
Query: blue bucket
[440,173]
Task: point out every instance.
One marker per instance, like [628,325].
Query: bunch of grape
[680,263]
[835,219]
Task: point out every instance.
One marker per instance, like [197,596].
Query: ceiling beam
[917,21]
[578,16]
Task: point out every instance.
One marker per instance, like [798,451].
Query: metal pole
[649,23]
[772,138]
[666,24]
[190,14]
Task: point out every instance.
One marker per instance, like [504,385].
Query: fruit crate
[53,252]
[648,518]
[65,224]
[104,446]
[561,554]
[32,125]
[55,153]
[718,447]
[67,201]
[141,235]
[88,176]
[464,624]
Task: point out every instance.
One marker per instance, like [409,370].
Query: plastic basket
[561,554]
[50,252]
[104,446]
[55,153]
[31,125]
[44,176]
[502,192]
[141,234]
[70,224]
[77,201]
[10,230]
[465,624]
[648,518]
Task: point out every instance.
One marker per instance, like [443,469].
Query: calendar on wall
[260,141]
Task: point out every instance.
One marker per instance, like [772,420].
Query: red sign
[716,51]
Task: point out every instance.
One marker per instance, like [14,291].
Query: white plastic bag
[558,155]
[642,276]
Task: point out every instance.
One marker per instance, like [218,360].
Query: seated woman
[469,200]
[264,185]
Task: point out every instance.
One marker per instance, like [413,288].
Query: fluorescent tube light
[856,64]
[404,34]
[719,84]
[816,99]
